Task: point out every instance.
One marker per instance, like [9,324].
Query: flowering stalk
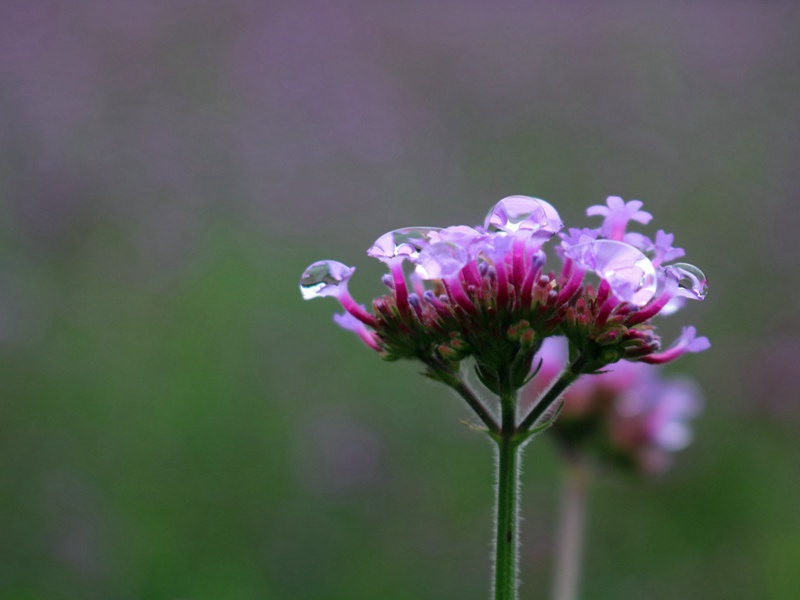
[482,296]
[628,417]
[507,528]
[570,536]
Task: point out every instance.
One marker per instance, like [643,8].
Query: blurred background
[175,422]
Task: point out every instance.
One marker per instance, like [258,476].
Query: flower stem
[509,447]
[570,374]
[505,567]
[570,533]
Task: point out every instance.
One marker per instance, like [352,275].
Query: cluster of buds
[488,293]
[629,416]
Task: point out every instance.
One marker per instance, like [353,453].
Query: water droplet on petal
[692,281]
[523,212]
[630,273]
[464,236]
[324,278]
[406,242]
[441,260]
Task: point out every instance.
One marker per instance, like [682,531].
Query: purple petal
[672,306]
[639,240]
[495,248]
[598,210]
[677,401]
[617,216]
[615,203]
[349,322]
[687,342]
[441,260]
[664,251]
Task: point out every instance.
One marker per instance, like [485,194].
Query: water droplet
[630,273]
[406,242]
[458,234]
[441,260]
[692,281]
[523,212]
[324,278]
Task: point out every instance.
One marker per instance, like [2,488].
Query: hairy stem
[507,535]
[508,458]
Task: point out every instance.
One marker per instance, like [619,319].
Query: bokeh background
[176,423]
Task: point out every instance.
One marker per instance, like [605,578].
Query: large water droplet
[458,234]
[630,273]
[406,242]
[692,281]
[523,212]
[324,278]
[441,260]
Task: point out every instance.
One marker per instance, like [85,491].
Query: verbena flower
[489,292]
[630,415]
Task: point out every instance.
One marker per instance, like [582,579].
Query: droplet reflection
[692,282]
[407,242]
[630,273]
[523,212]
[324,278]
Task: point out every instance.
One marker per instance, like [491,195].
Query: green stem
[505,567]
[570,374]
[570,533]
[507,535]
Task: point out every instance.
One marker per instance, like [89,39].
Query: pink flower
[485,292]
[629,415]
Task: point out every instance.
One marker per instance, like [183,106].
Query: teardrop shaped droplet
[523,212]
[692,282]
[441,260]
[406,242]
[324,278]
[627,270]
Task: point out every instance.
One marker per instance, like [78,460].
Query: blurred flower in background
[631,415]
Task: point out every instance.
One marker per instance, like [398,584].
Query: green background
[175,422]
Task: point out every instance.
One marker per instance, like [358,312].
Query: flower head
[487,292]
[617,214]
[630,415]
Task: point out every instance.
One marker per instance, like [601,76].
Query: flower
[485,292]
[630,415]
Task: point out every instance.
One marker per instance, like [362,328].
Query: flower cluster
[487,292]
[629,415]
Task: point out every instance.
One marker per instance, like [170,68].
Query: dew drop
[441,260]
[407,242]
[692,281]
[630,273]
[523,212]
[324,278]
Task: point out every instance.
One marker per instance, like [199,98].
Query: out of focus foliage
[176,423]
